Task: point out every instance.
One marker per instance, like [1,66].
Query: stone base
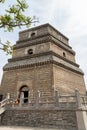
[61,119]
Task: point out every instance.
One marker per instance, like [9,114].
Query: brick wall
[60,51]
[36,78]
[61,119]
[43,78]
[38,32]
[66,81]
[39,48]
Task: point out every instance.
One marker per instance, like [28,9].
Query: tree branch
[2,1]
[14,25]
[2,44]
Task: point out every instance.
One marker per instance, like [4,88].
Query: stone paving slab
[24,128]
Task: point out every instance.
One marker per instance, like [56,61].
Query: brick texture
[60,119]
[42,72]
[36,78]
[66,81]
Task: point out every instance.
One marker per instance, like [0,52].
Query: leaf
[2,1]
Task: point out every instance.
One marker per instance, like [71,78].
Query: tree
[13,17]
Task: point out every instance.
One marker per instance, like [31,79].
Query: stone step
[25,128]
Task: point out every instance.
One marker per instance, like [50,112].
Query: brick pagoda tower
[42,85]
[42,61]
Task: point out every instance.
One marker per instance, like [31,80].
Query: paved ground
[24,128]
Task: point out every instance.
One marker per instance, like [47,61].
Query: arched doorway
[24,94]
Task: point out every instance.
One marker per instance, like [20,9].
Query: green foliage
[8,48]
[2,1]
[14,17]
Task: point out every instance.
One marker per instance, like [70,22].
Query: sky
[67,16]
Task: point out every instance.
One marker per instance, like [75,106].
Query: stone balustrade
[57,101]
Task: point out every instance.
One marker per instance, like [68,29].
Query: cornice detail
[43,39]
[43,63]
[43,54]
[43,59]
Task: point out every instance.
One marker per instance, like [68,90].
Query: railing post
[37,99]
[21,99]
[56,99]
[78,98]
[8,95]
[20,104]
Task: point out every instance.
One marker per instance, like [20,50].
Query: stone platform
[24,128]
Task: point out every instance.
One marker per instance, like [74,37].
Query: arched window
[24,94]
[64,54]
[30,51]
[33,34]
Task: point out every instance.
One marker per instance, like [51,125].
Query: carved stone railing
[4,102]
[57,101]
[83,101]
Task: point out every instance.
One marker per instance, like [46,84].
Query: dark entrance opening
[24,94]
[1,97]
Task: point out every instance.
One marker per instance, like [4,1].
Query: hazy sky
[68,16]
